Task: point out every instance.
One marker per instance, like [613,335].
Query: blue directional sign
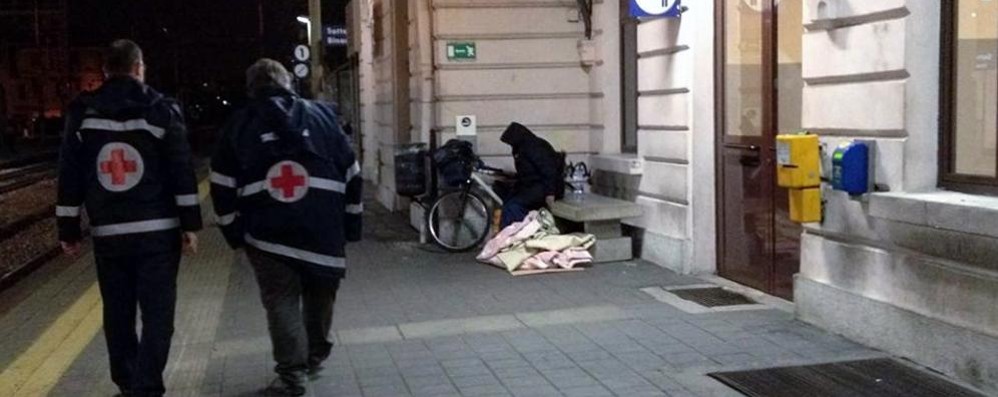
[335,36]
[655,8]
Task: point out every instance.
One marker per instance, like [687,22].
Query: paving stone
[662,381]
[513,372]
[385,391]
[624,347]
[434,391]
[416,382]
[642,361]
[590,355]
[534,391]
[483,390]
[471,370]
[430,369]
[734,359]
[572,316]
[372,381]
[587,391]
[565,379]
[475,380]
[368,335]
[515,362]
[619,383]
[641,391]
[687,359]
[524,381]
[413,322]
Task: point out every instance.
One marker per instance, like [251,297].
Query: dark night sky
[191,42]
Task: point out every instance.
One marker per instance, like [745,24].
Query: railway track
[12,179]
[27,218]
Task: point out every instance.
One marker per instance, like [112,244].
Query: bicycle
[460,220]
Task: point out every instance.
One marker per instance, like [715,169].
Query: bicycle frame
[486,187]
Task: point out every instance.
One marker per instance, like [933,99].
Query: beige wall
[675,142]
[528,70]
[910,271]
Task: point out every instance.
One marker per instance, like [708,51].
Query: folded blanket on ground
[536,244]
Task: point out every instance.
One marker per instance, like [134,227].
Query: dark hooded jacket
[125,157]
[285,182]
[539,167]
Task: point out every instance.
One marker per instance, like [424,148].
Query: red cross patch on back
[287,181]
[119,167]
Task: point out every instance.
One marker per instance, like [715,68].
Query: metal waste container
[410,169]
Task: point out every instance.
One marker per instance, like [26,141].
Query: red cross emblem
[287,181]
[119,167]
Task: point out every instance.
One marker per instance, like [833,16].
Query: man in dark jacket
[286,185]
[125,157]
[539,178]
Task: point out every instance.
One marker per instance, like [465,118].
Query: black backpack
[455,161]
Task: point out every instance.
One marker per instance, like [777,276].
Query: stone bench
[599,216]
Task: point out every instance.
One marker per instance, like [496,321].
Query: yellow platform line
[39,368]
[203,189]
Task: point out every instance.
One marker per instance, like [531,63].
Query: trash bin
[410,169]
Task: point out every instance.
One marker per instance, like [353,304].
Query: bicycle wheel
[458,221]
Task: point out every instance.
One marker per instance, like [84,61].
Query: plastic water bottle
[578,179]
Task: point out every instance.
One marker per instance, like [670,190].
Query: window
[629,77]
[379,31]
[969,82]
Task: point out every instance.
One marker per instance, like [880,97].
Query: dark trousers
[299,308]
[518,202]
[129,285]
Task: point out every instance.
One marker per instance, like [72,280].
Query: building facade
[681,116]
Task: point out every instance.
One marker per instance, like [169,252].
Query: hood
[280,110]
[122,93]
[285,114]
[516,135]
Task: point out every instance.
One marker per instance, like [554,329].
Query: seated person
[539,176]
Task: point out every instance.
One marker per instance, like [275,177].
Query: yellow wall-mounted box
[798,161]
[805,205]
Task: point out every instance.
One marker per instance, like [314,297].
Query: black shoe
[287,386]
[315,371]
[315,365]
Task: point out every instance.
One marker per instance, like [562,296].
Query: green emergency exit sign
[464,51]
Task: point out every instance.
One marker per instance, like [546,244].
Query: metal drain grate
[880,378]
[712,297]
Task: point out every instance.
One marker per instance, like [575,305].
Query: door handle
[751,148]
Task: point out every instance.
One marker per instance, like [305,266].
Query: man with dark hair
[286,185]
[125,157]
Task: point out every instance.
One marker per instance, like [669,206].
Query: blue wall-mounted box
[853,167]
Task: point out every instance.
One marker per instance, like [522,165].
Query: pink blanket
[534,244]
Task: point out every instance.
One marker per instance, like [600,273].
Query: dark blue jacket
[539,168]
[125,156]
[285,181]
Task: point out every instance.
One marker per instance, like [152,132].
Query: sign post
[300,67]
[656,8]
